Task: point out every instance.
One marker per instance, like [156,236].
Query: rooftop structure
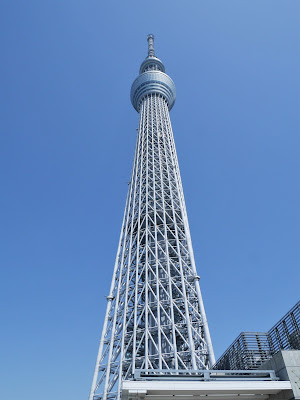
[251,349]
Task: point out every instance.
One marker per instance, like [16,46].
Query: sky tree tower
[155,318]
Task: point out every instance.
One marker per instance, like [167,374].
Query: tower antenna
[150,39]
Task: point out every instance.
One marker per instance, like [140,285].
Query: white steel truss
[155,317]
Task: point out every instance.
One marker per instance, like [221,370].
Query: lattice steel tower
[155,317]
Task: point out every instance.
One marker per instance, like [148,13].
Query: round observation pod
[152,82]
[152,64]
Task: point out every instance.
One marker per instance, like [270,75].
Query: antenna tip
[150,39]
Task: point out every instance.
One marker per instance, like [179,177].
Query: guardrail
[251,349]
[204,375]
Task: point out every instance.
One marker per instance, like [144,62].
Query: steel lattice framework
[155,317]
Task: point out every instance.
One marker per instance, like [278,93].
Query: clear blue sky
[66,148]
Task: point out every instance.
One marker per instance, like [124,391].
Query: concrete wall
[286,364]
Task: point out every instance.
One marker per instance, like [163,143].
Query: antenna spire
[150,39]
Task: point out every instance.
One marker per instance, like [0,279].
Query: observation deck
[152,80]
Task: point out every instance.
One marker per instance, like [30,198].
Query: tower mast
[155,317]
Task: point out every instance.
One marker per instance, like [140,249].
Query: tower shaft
[155,317]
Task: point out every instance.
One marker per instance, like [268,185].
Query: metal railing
[251,349]
[286,333]
[248,351]
[204,375]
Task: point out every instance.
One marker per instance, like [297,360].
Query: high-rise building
[155,318]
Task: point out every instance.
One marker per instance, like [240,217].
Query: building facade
[250,350]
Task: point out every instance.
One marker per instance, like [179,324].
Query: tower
[155,318]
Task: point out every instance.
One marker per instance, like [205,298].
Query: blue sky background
[66,148]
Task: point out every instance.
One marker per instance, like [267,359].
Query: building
[251,349]
[277,350]
[155,341]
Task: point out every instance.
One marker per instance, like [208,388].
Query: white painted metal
[155,316]
[180,390]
